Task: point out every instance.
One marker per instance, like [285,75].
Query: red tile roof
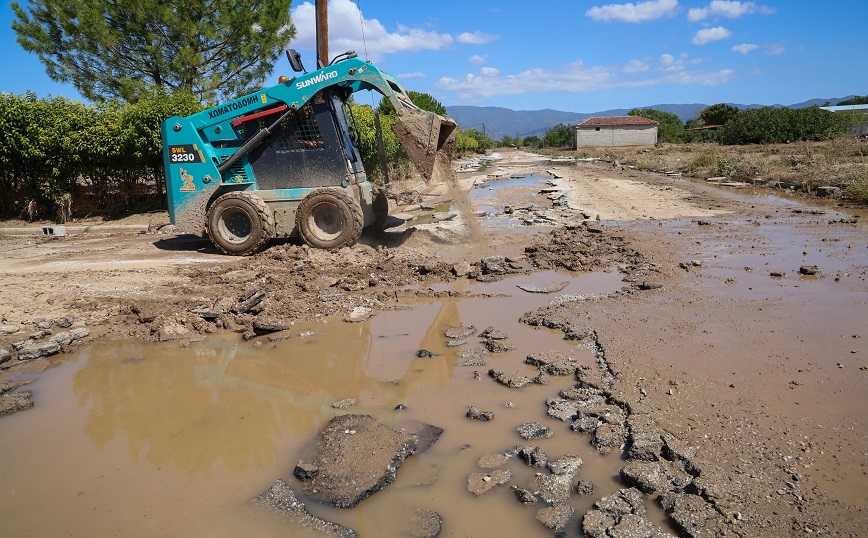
[616,121]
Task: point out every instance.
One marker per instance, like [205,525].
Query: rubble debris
[524,496]
[584,487]
[532,455]
[280,497]
[660,476]
[344,479]
[510,380]
[425,524]
[345,403]
[693,515]
[534,430]
[305,471]
[478,414]
[556,517]
[622,513]
[479,483]
[554,363]
[552,287]
[460,332]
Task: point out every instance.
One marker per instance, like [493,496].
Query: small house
[616,131]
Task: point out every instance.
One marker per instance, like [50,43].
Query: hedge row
[61,157]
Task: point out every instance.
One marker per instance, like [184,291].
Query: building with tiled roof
[616,131]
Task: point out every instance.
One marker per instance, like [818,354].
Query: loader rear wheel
[329,219]
[239,223]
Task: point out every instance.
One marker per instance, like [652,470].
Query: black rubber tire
[240,223]
[381,208]
[329,219]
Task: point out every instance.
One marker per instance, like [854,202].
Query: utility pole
[322,33]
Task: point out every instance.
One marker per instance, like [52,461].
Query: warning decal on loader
[188,185]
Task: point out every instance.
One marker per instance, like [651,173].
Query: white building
[616,131]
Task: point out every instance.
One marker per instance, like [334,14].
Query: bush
[726,166]
[770,125]
[61,156]
[856,185]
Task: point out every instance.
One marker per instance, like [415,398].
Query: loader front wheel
[239,223]
[329,219]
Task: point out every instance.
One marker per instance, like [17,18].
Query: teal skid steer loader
[282,161]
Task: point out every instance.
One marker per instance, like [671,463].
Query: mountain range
[498,122]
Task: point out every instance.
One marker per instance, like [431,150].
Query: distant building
[616,131]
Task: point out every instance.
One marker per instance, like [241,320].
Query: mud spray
[443,172]
[429,140]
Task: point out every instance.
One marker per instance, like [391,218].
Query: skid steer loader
[282,161]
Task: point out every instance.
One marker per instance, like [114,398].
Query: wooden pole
[322,33]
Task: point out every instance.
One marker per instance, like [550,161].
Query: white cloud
[476,59]
[345,33]
[774,50]
[639,12]
[744,48]
[579,78]
[669,64]
[636,66]
[412,75]
[709,35]
[476,38]
[726,8]
[489,71]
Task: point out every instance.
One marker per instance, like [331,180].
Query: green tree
[559,136]
[717,114]
[670,128]
[769,125]
[216,49]
[483,140]
[855,100]
[422,100]
[532,141]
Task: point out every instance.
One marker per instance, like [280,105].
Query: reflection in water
[229,401]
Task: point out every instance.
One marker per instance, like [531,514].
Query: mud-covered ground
[740,330]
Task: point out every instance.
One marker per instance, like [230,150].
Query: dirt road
[741,330]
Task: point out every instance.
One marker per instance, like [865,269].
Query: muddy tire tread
[355,226]
[266,224]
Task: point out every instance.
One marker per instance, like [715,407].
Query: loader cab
[313,147]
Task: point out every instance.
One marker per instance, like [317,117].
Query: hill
[498,122]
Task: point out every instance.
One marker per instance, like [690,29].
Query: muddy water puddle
[158,439]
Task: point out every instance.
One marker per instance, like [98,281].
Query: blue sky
[579,56]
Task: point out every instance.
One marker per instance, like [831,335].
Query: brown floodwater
[141,439]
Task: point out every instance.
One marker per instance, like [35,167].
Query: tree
[422,100]
[559,136]
[770,125]
[125,49]
[483,140]
[532,141]
[717,114]
[670,128]
[855,100]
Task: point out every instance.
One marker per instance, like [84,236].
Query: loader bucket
[428,139]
